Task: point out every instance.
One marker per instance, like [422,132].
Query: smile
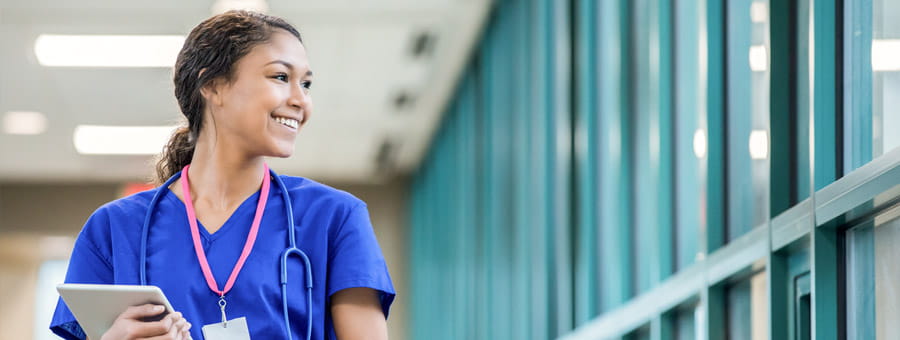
[289,122]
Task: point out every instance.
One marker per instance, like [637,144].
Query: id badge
[235,329]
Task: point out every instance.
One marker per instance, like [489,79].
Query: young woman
[214,236]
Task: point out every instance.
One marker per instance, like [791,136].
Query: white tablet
[97,306]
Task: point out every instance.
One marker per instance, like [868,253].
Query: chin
[282,152]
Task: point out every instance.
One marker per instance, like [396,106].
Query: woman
[242,80]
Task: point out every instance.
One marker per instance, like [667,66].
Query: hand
[130,325]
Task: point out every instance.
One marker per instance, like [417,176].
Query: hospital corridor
[487,169]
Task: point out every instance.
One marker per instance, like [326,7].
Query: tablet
[96,307]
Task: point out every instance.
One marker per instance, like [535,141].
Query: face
[266,102]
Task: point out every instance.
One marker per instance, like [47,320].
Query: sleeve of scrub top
[88,264]
[356,260]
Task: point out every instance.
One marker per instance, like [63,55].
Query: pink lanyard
[195,233]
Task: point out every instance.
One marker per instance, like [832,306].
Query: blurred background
[534,169]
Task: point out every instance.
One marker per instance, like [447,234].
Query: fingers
[142,311]
[167,328]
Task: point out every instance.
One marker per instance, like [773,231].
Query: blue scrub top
[332,228]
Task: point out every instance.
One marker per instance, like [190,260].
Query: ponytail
[178,153]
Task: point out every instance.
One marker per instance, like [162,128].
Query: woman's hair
[209,53]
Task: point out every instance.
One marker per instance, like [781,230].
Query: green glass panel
[747,128]
[691,133]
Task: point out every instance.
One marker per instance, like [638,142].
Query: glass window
[885,77]
[646,139]
[872,71]
[802,99]
[748,115]
[690,131]
[639,334]
[685,324]
[747,107]
[748,317]
[872,282]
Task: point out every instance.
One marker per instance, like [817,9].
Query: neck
[221,178]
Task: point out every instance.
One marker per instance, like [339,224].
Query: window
[690,132]
[748,309]
[872,73]
[872,277]
[747,127]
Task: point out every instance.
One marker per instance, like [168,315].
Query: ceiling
[360,51]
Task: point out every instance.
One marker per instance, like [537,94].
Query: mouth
[286,121]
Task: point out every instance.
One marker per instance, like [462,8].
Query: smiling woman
[243,82]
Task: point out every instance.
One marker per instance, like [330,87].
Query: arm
[357,315]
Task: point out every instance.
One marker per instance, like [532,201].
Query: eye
[281,77]
[306,84]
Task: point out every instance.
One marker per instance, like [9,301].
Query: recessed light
[121,140]
[24,123]
[108,50]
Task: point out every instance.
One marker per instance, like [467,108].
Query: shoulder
[123,213]
[113,220]
[313,193]
[130,207]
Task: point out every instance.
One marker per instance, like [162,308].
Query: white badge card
[232,330]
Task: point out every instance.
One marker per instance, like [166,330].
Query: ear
[211,91]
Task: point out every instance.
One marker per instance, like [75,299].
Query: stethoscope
[292,249]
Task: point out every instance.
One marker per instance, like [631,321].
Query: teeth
[287,122]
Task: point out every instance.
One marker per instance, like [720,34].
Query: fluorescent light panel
[24,123]
[885,55]
[108,50]
[121,140]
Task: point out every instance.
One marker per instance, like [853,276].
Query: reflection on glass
[872,75]
[873,278]
[747,111]
[646,144]
[748,309]
[685,324]
[887,275]
[886,76]
[690,131]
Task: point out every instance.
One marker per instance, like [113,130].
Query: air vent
[385,158]
[403,101]
[423,43]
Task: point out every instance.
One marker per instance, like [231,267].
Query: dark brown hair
[213,47]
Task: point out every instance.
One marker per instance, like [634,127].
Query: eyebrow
[309,73]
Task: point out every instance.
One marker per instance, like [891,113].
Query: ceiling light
[108,50]
[759,144]
[121,140]
[759,58]
[222,6]
[885,55]
[24,123]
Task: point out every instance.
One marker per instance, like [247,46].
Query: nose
[300,100]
